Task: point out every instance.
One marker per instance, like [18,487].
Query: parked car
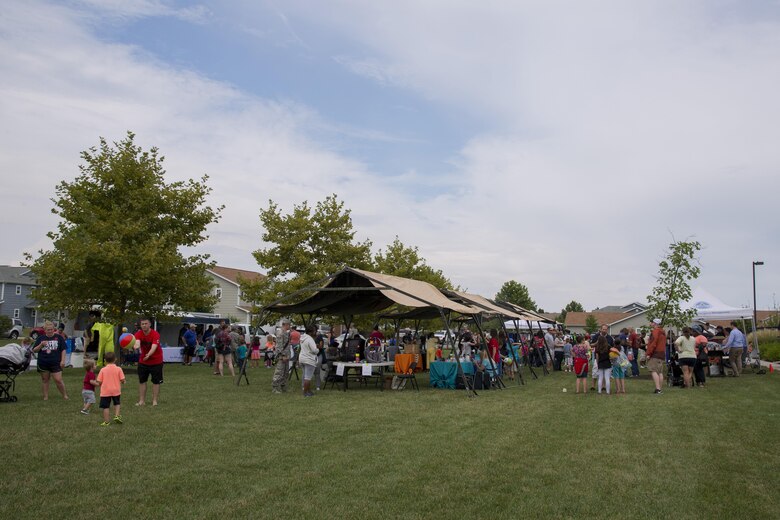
[36,331]
[16,329]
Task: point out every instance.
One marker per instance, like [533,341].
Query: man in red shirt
[150,361]
[656,354]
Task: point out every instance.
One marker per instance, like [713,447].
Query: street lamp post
[755,312]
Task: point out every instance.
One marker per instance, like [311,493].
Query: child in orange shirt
[110,380]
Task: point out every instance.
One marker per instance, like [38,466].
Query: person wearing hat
[282,355]
[656,355]
[701,359]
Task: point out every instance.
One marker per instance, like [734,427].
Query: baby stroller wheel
[12,399]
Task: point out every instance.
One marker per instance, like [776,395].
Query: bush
[765,336]
[770,351]
[5,324]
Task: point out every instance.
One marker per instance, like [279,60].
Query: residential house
[230,304]
[16,285]
[615,321]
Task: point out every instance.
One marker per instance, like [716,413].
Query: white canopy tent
[709,308]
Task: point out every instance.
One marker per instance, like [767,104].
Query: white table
[366,370]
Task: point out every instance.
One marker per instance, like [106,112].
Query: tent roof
[355,291]
[526,314]
[483,304]
[708,307]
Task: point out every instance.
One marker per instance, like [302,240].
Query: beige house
[228,292]
[575,321]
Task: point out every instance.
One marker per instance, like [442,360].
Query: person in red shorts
[580,352]
[150,361]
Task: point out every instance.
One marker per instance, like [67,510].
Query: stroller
[14,359]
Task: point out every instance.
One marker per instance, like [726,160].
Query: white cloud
[135,9]
[603,130]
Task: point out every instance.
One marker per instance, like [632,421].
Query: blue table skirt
[443,374]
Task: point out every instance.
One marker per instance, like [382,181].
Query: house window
[16,314]
[218,292]
[18,290]
[34,315]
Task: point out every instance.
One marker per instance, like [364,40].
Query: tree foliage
[304,246]
[591,324]
[572,306]
[517,293]
[400,260]
[672,289]
[118,241]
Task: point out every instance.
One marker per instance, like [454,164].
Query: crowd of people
[603,357]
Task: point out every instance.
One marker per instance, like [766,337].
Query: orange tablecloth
[402,362]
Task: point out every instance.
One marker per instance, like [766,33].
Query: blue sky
[558,144]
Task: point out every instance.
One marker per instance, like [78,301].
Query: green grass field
[212,449]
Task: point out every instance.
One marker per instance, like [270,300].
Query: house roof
[235,276]
[16,275]
[578,319]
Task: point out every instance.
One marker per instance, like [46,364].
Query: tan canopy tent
[353,291]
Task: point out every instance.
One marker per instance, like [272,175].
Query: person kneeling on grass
[110,380]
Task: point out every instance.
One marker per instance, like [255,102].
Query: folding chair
[409,375]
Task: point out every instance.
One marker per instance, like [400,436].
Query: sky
[560,144]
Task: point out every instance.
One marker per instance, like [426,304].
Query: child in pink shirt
[110,380]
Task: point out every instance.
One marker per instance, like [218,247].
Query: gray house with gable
[16,284]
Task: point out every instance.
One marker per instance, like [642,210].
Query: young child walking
[580,353]
[567,357]
[255,355]
[110,380]
[88,386]
[619,363]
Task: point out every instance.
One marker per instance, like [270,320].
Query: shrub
[770,351]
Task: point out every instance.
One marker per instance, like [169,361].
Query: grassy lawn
[211,449]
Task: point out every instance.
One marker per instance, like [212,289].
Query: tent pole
[483,347]
[511,351]
[451,340]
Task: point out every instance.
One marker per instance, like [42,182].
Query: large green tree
[677,268]
[572,306]
[304,246]
[517,293]
[400,260]
[118,243]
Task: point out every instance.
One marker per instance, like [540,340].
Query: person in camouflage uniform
[282,354]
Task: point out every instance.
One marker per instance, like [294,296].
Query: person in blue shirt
[190,344]
[735,345]
[51,349]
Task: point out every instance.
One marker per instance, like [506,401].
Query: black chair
[409,375]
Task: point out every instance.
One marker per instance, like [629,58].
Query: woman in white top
[307,358]
[686,354]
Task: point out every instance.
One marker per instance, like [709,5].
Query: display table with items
[362,372]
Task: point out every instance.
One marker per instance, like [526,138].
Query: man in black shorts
[150,361]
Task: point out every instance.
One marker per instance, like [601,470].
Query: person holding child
[110,380]
[88,386]
[603,363]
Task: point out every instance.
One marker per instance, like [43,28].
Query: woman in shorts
[307,358]
[51,350]
[580,354]
[686,355]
